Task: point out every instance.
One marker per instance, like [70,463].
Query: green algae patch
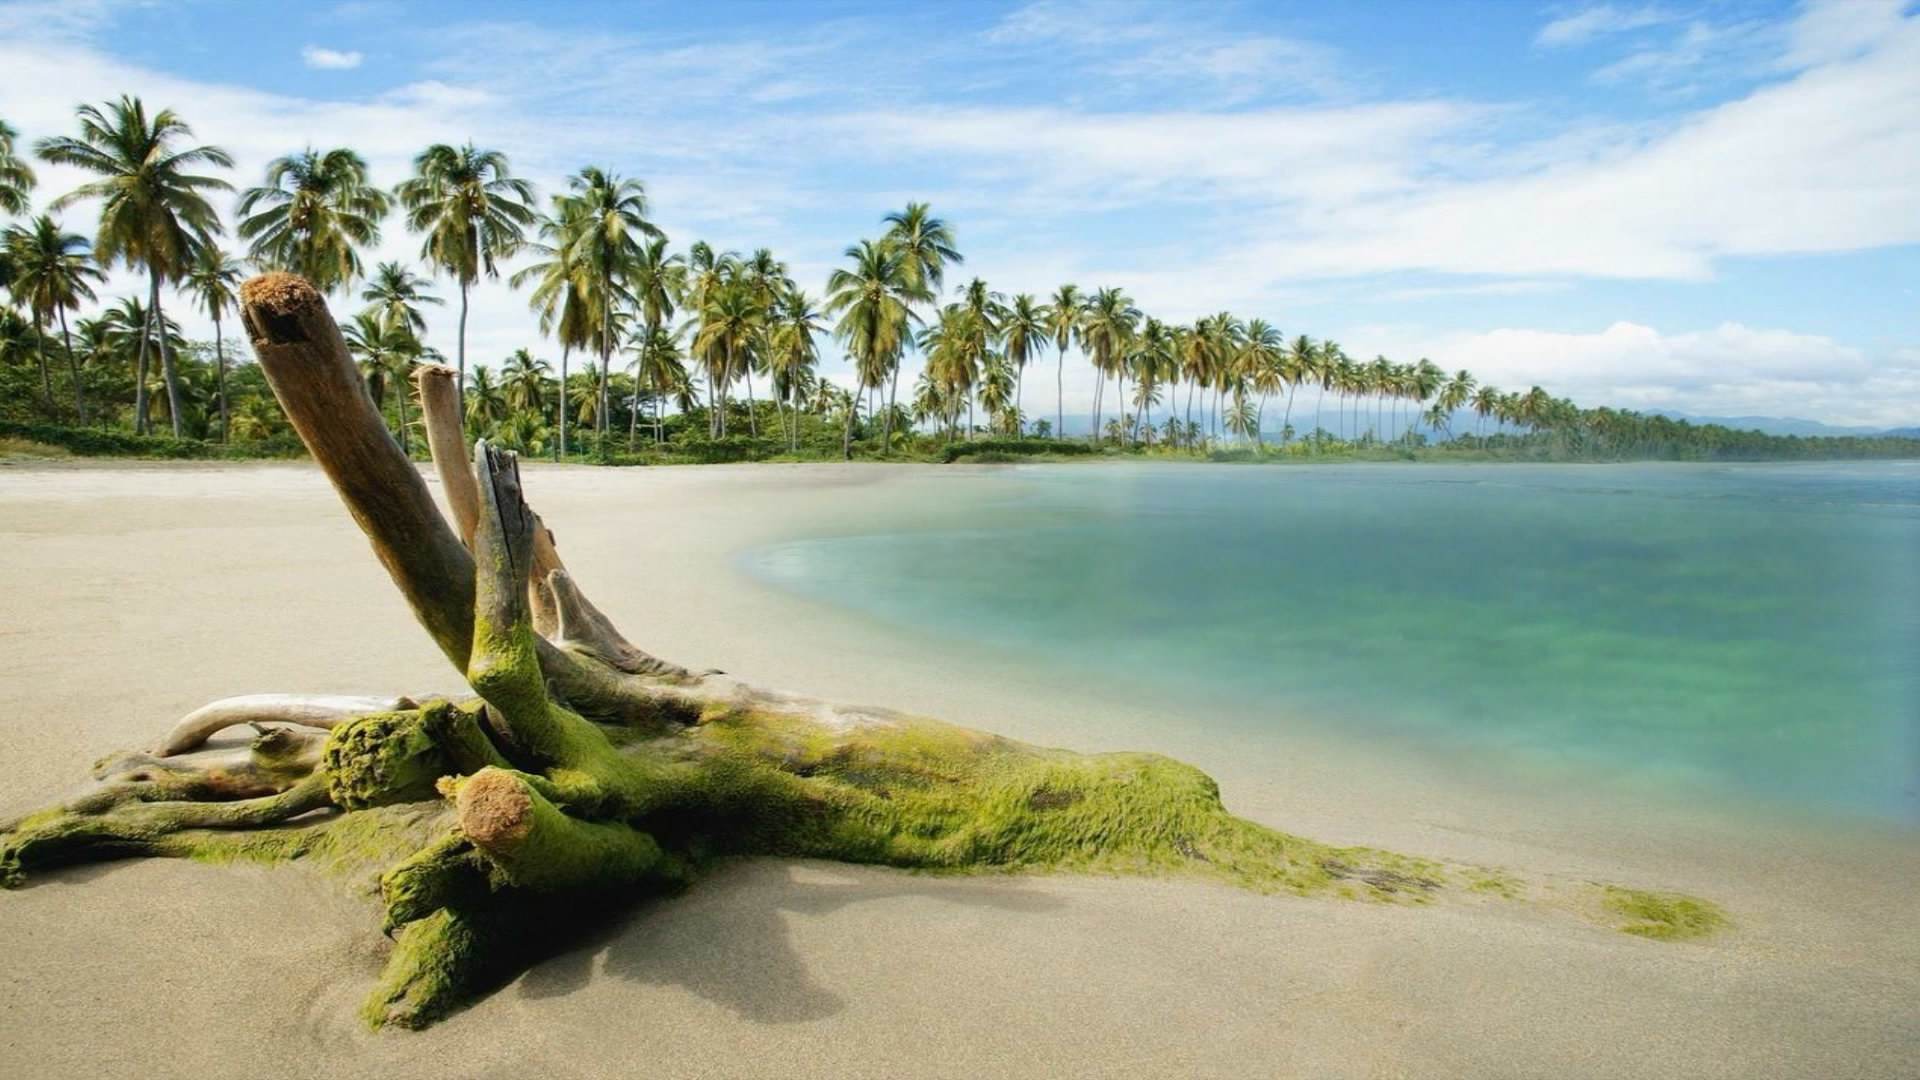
[1663,916]
[1488,882]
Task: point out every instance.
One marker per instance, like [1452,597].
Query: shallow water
[1745,632]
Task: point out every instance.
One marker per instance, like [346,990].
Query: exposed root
[307,710]
[57,837]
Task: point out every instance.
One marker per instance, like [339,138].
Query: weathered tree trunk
[220,361]
[73,369]
[587,772]
[140,422]
[167,373]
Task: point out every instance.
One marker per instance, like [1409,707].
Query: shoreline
[233,579]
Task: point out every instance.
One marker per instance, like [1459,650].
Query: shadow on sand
[729,939]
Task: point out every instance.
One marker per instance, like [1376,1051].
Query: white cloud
[1597,21]
[329,59]
[1131,46]
[1262,210]
[1728,370]
[1830,30]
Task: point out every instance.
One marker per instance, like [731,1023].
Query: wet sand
[133,594]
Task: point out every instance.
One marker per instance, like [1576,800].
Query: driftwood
[586,772]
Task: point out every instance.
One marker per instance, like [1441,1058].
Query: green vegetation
[1663,916]
[702,355]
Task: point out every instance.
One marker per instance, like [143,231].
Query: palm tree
[1023,333]
[1241,419]
[1193,353]
[52,274]
[1380,375]
[387,355]
[793,352]
[473,212]
[1350,378]
[212,280]
[926,246]
[487,405]
[873,300]
[1106,329]
[1153,364]
[1225,337]
[766,279]
[659,368]
[1327,363]
[955,350]
[658,281]
[395,293]
[1301,364]
[153,211]
[612,216]
[525,380]
[560,290]
[996,395]
[1262,351]
[312,213]
[1455,396]
[730,322]
[1486,402]
[1063,315]
[1423,382]
[16,176]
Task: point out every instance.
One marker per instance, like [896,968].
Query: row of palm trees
[690,327]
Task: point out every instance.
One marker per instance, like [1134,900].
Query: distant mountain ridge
[1782,425]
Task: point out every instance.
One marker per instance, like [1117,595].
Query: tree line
[691,330]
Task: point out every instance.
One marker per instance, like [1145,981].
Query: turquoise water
[1751,631]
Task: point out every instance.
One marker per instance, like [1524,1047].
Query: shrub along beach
[687,356]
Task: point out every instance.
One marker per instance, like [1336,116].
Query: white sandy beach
[131,594]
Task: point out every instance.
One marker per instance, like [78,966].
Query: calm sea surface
[1749,631]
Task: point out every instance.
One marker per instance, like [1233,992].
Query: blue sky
[1707,206]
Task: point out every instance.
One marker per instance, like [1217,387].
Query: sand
[135,593]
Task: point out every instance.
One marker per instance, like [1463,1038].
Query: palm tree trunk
[1259,418]
[73,366]
[726,383]
[220,368]
[1316,416]
[886,427]
[846,429]
[1099,391]
[1286,418]
[140,405]
[603,417]
[1019,375]
[1190,387]
[564,351]
[1060,395]
[46,373]
[400,400]
[167,371]
[753,422]
[460,356]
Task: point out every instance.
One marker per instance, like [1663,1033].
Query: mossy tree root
[588,772]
